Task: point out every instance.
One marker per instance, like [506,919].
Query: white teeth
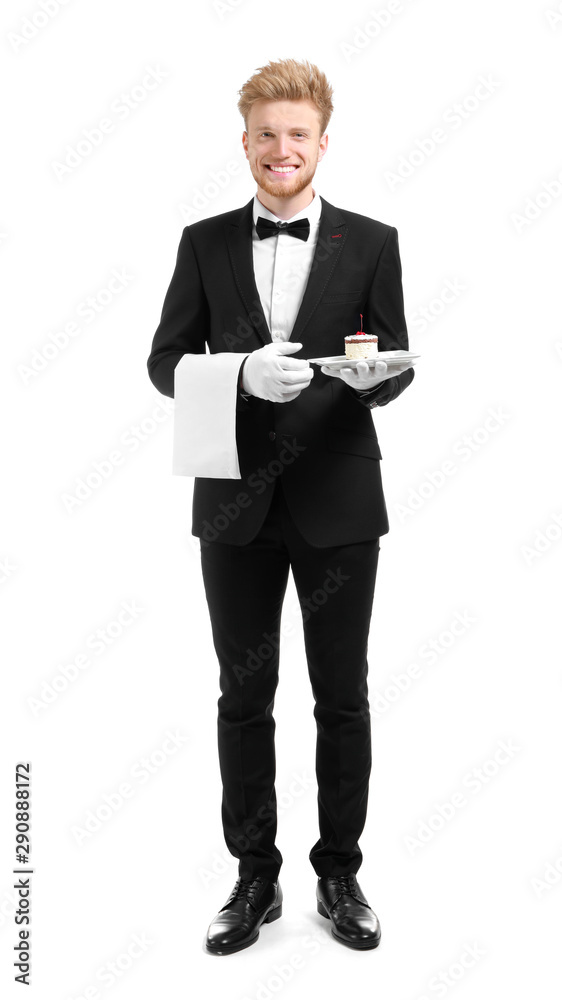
[282,170]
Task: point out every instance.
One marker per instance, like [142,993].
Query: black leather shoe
[354,923]
[251,903]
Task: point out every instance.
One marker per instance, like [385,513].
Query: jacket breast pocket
[343,296]
[352,442]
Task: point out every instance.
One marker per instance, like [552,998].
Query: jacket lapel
[332,234]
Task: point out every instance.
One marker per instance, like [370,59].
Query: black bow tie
[300,228]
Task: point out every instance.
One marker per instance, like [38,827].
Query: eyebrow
[297,128]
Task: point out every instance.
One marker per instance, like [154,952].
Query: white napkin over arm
[205,394]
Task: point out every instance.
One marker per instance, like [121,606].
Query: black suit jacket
[323,443]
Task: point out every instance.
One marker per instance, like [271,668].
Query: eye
[296,133]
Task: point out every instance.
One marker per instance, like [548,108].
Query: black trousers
[245,586]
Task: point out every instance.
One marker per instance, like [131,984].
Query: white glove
[270,374]
[364,378]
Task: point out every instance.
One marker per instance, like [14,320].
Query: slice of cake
[361,345]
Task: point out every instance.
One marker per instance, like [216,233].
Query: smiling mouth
[288,168]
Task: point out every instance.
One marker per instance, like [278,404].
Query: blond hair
[288,80]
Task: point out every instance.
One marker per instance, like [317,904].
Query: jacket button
[272,435]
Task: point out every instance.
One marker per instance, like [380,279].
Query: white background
[479,539]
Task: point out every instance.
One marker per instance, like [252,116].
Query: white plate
[392,359]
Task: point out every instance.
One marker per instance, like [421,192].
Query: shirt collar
[312,212]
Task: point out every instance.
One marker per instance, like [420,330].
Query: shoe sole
[231,949]
[359,945]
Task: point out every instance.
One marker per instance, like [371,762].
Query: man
[266,287]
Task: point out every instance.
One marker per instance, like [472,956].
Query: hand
[365,377]
[270,374]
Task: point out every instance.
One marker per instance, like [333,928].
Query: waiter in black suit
[281,280]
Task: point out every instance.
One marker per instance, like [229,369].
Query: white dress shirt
[282,266]
[205,385]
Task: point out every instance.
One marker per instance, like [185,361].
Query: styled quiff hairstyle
[288,80]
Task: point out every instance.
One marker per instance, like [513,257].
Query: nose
[281,148]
